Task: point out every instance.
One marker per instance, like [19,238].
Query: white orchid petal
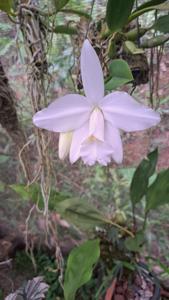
[123,112]
[64,114]
[65,139]
[79,136]
[112,136]
[95,151]
[92,75]
[96,124]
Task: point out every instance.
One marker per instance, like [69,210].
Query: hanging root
[36,38]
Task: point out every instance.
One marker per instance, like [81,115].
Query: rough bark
[9,120]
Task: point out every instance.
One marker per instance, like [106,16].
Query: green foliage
[6,5]
[131,47]
[47,267]
[3,158]
[77,12]
[140,181]
[23,261]
[5,44]
[1,295]
[162,6]
[80,213]
[33,192]
[117,13]
[155,41]
[120,74]
[134,34]
[162,24]
[76,211]
[150,3]
[59,4]
[65,29]
[79,267]
[158,192]
[134,244]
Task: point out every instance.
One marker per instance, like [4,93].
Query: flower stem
[120,228]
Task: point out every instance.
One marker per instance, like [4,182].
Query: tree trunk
[10,122]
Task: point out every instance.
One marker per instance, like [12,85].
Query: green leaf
[79,267]
[59,4]
[3,158]
[134,34]
[130,47]
[117,13]
[128,265]
[80,213]
[22,190]
[120,74]
[140,181]
[162,24]
[33,192]
[158,192]
[137,13]
[6,5]
[134,244]
[65,29]
[150,3]
[155,41]
[5,44]
[162,6]
[77,12]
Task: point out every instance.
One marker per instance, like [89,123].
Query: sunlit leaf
[120,74]
[140,181]
[162,24]
[158,192]
[6,5]
[80,213]
[117,13]
[79,267]
[132,48]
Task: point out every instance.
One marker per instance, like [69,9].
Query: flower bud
[65,140]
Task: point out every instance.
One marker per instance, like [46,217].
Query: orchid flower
[91,124]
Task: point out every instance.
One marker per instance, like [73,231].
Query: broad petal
[79,136]
[96,124]
[65,140]
[112,137]
[64,114]
[95,151]
[92,75]
[123,112]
